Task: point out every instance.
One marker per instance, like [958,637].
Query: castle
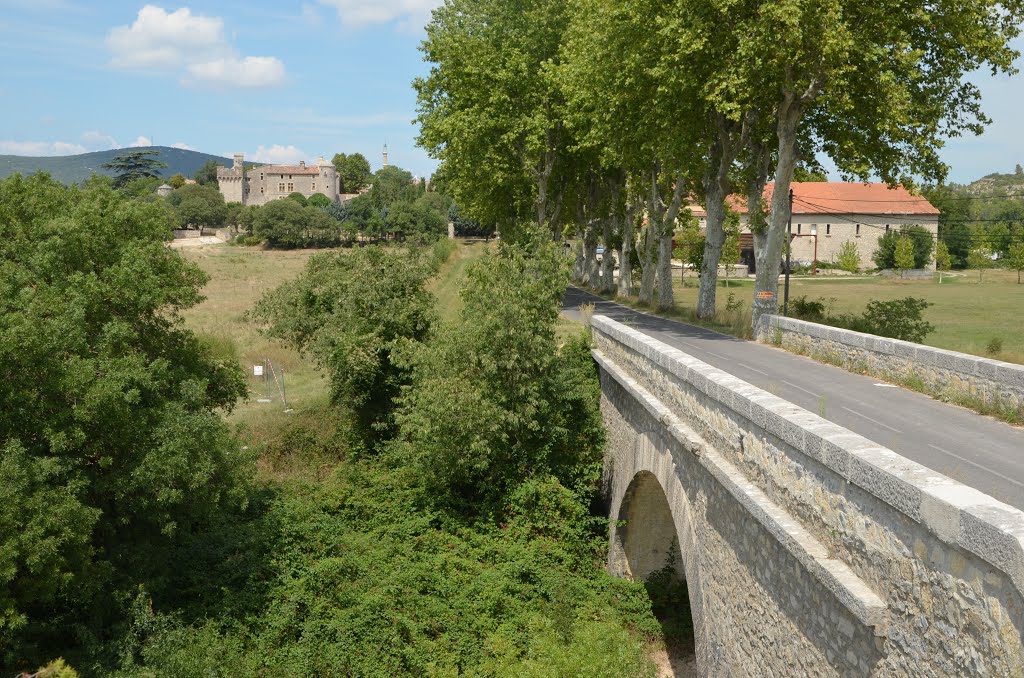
[266,183]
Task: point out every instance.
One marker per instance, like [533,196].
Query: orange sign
[765,295]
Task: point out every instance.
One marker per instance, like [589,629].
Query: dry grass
[238,278]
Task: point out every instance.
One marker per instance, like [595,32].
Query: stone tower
[232,182]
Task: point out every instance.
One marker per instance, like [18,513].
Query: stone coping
[1009,375]
[835,575]
[959,515]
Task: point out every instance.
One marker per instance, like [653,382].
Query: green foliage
[898,318]
[287,224]
[1016,258]
[198,206]
[811,310]
[903,256]
[731,246]
[690,242]
[353,171]
[176,181]
[207,174]
[319,200]
[995,346]
[113,449]
[390,185]
[923,244]
[132,165]
[493,400]
[848,258]
[351,312]
[943,259]
[980,257]
[297,197]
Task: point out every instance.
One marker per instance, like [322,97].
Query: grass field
[239,276]
[967,314]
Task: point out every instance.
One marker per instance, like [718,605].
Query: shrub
[319,200]
[898,319]
[810,310]
[995,346]
[924,244]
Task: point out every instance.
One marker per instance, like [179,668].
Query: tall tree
[875,87]
[134,165]
[353,171]
[491,111]
[206,175]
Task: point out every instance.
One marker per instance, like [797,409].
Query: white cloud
[411,14]
[38,148]
[99,141]
[141,141]
[311,16]
[182,146]
[182,41]
[276,154]
[235,72]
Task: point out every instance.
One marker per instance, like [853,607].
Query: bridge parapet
[857,560]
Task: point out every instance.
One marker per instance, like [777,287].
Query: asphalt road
[979,451]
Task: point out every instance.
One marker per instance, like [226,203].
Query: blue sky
[278,81]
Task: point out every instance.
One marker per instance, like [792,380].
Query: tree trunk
[770,247]
[592,277]
[647,270]
[607,259]
[667,225]
[716,189]
[626,255]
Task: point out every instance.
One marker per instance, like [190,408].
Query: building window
[887,228]
[261,190]
[291,187]
[799,227]
[261,176]
[858,229]
[280,187]
[828,229]
[314,187]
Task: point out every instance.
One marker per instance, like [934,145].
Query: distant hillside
[77,168]
[998,184]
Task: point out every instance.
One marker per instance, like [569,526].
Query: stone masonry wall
[809,550]
[998,384]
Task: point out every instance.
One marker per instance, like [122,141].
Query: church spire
[385,155]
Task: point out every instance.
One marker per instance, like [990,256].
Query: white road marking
[873,421]
[753,369]
[789,383]
[720,357]
[975,465]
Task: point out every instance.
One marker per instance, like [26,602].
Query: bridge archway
[653,535]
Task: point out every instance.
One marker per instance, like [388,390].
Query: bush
[898,319]
[319,200]
[923,242]
[995,346]
[810,310]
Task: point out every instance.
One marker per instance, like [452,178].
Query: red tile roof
[842,198]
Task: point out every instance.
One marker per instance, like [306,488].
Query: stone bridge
[807,550]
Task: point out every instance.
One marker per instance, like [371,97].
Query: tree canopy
[133,165]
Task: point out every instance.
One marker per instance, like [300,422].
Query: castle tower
[385,156]
[239,161]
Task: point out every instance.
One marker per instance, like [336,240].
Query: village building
[267,183]
[828,214]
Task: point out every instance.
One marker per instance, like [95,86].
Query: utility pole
[789,245]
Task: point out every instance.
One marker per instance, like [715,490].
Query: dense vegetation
[75,169]
[600,120]
[441,521]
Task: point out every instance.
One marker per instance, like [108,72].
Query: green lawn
[967,314]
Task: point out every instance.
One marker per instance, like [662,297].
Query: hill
[998,184]
[77,168]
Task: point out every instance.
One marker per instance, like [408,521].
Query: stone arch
[652,525]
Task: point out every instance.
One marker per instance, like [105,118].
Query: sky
[280,82]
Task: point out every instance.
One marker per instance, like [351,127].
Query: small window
[280,187]
[799,227]
[887,228]
[858,229]
[261,176]
[314,187]
[261,190]
[828,229]
[291,187]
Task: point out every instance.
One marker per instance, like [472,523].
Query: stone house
[266,183]
[832,213]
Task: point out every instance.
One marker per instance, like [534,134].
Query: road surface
[979,451]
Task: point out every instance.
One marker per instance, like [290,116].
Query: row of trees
[600,118]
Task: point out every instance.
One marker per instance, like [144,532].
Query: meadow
[968,315]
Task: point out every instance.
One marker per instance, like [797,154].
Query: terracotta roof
[836,197]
